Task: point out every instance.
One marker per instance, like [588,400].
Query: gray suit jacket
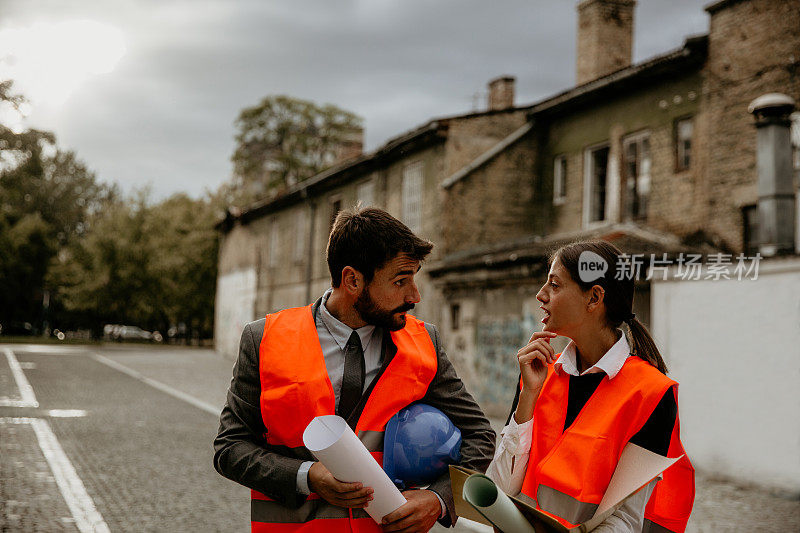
[242,455]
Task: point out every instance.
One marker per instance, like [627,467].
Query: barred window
[684,130]
[559,180]
[412,196]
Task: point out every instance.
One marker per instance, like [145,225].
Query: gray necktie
[353,378]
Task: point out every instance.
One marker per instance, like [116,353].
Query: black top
[656,433]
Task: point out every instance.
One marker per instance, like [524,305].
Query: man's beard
[374,315]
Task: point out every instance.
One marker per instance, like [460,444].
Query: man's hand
[417,515]
[336,492]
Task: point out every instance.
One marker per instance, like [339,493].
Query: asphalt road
[133,457]
[119,438]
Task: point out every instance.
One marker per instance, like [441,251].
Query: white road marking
[66,413]
[87,519]
[207,407]
[25,389]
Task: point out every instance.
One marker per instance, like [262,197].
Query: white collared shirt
[507,469]
[611,362]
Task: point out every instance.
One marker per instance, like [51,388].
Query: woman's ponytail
[642,344]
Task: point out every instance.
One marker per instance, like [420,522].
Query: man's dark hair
[366,239]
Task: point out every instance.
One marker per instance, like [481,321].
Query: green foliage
[148,265]
[282,141]
[45,197]
[100,258]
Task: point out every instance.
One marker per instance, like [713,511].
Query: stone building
[658,157]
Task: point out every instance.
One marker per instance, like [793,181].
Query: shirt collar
[339,330]
[611,362]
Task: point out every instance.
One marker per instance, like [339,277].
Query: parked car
[17,329]
[118,332]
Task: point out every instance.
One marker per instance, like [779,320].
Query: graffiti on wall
[497,343]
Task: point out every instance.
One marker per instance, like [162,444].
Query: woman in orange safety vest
[575,411]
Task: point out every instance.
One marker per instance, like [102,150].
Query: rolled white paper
[491,502]
[335,445]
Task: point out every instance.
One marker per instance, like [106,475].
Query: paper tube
[491,502]
[335,445]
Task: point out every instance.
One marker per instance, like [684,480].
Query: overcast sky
[146,91]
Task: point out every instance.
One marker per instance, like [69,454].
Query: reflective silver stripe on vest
[525,498]
[274,512]
[652,527]
[563,505]
[372,440]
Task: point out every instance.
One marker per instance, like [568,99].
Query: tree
[45,196]
[283,140]
[151,265]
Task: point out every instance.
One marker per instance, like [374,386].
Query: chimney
[351,146]
[501,93]
[605,37]
[776,202]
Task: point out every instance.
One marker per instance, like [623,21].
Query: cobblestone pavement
[143,452]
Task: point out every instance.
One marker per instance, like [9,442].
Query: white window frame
[559,179]
[413,182]
[588,167]
[643,173]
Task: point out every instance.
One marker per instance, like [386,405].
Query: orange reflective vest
[295,388]
[568,471]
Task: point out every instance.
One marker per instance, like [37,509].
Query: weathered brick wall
[754,48]
[494,203]
[471,136]
[675,196]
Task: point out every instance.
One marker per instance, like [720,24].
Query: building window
[412,196]
[366,193]
[795,117]
[455,317]
[273,243]
[684,128]
[636,166]
[336,206]
[559,180]
[301,228]
[750,225]
[596,169]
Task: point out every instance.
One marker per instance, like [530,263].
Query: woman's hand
[533,360]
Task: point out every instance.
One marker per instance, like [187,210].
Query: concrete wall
[734,347]
[235,307]
[278,272]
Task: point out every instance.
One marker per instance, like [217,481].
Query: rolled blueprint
[491,502]
[335,445]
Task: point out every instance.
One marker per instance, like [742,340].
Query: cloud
[165,115]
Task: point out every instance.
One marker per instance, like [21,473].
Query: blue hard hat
[418,444]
